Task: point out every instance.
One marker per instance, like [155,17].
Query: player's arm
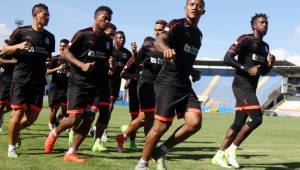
[6,61]
[86,67]
[15,43]
[125,74]
[52,70]
[162,46]
[196,75]
[269,65]
[229,58]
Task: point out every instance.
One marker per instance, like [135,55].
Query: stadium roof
[282,67]
[221,63]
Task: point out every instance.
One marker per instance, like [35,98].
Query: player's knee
[254,123]
[195,126]
[236,126]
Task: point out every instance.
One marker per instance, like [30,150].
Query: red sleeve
[238,45]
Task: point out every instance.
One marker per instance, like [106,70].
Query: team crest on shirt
[47,41]
[167,29]
[267,49]
[108,45]
[124,55]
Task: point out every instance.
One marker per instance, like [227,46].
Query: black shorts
[171,101]
[27,94]
[114,88]
[146,96]
[245,100]
[80,98]
[57,96]
[134,106]
[5,92]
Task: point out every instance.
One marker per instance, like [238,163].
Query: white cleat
[12,154]
[231,157]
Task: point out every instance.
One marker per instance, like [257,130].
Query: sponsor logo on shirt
[96,54]
[190,49]
[156,60]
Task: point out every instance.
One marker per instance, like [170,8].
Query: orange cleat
[73,157]
[49,143]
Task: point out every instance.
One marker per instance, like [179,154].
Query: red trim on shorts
[17,106]
[148,110]
[64,104]
[104,104]
[36,108]
[193,110]
[163,119]
[252,107]
[95,108]
[3,101]
[134,113]
[75,111]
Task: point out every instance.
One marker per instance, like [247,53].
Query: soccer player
[152,62]
[32,45]
[179,43]
[131,73]
[253,60]
[121,56]
[57,94]
[89,56]
[110,30]
[7,64]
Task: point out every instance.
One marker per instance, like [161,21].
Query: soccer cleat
[120,140]
[71,136]
[123,128]
[49,143]
[12,154]
[161,163]
[99,147]
[159,156]
[230,155]
[104,136]
[220,160]
[73,158]
[140,166]
[133,146]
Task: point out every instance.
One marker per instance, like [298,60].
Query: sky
[222,23]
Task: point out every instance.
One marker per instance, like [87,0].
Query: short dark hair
[256,16]
[64,41]
[120,32]
[202,2]
[111,25]
[103,8]
[37,8]
[162,22]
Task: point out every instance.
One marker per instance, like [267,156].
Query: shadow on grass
[274,166]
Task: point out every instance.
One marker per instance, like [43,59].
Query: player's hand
[13,61]
[112,64]
[110,72]
[169,54]
[126,85]
[87,67]
[26,45]
[271,59]
[133,47]
[61,67]
[195,75]
[254,71]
